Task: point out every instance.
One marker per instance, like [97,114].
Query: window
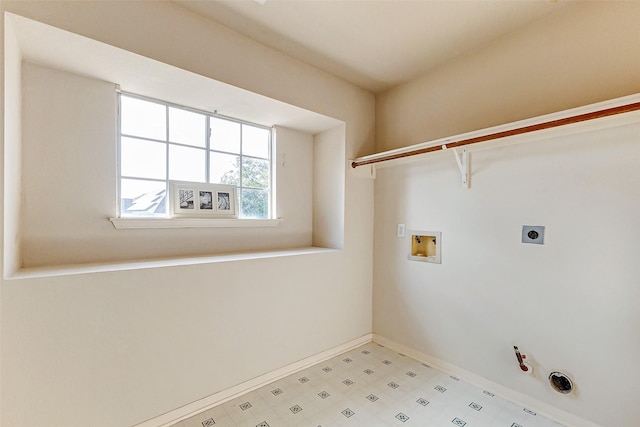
[162,142]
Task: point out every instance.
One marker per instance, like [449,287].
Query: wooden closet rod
[517,131]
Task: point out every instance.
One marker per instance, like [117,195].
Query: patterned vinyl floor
[369,386]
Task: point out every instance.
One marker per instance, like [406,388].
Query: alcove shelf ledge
[615,112]
[68,270]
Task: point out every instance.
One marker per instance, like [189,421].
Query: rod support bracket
[464,164]
[363,171]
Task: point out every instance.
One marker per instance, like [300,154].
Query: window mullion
[241,159]
[166,142]
[240,189]
[119,158]
[207,144]
[270,211]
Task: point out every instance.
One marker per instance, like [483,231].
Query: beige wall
[68,174]
[577,56]
[69,190]
[294,180]
[328,160]
[116,348]
[125,346]
[12,155]
[570,304]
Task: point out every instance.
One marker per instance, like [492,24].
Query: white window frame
[207,149]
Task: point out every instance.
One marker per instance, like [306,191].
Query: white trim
[514,396]
[220,397]
[135,223]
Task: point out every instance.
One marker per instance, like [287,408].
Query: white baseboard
[215,399]
[520,398]
[186,411]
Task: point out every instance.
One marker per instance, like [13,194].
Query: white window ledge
[134,223]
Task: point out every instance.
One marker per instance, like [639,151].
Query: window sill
[137,223]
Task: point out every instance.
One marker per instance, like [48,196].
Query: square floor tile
[371,385]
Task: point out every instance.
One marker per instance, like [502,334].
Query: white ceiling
[374,44]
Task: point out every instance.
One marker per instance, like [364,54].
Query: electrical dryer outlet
[533,234]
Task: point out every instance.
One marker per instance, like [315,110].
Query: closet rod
[517,131]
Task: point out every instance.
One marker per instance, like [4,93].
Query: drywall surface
[576,56]
[70,193]
[117,348]
[569,305]
[12,155]
[328,155]
[69,145]
[294,178]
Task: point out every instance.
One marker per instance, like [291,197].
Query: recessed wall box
[425,246]
[533,234]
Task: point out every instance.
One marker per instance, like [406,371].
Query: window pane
[143,118]
[225,135]
[224,169]
[255,141]
[186,127]
[139,197]
[186,164]
[161,142]
[255,203]
[143,159]
[255,172]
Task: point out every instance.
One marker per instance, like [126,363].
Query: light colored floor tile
[369,386]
